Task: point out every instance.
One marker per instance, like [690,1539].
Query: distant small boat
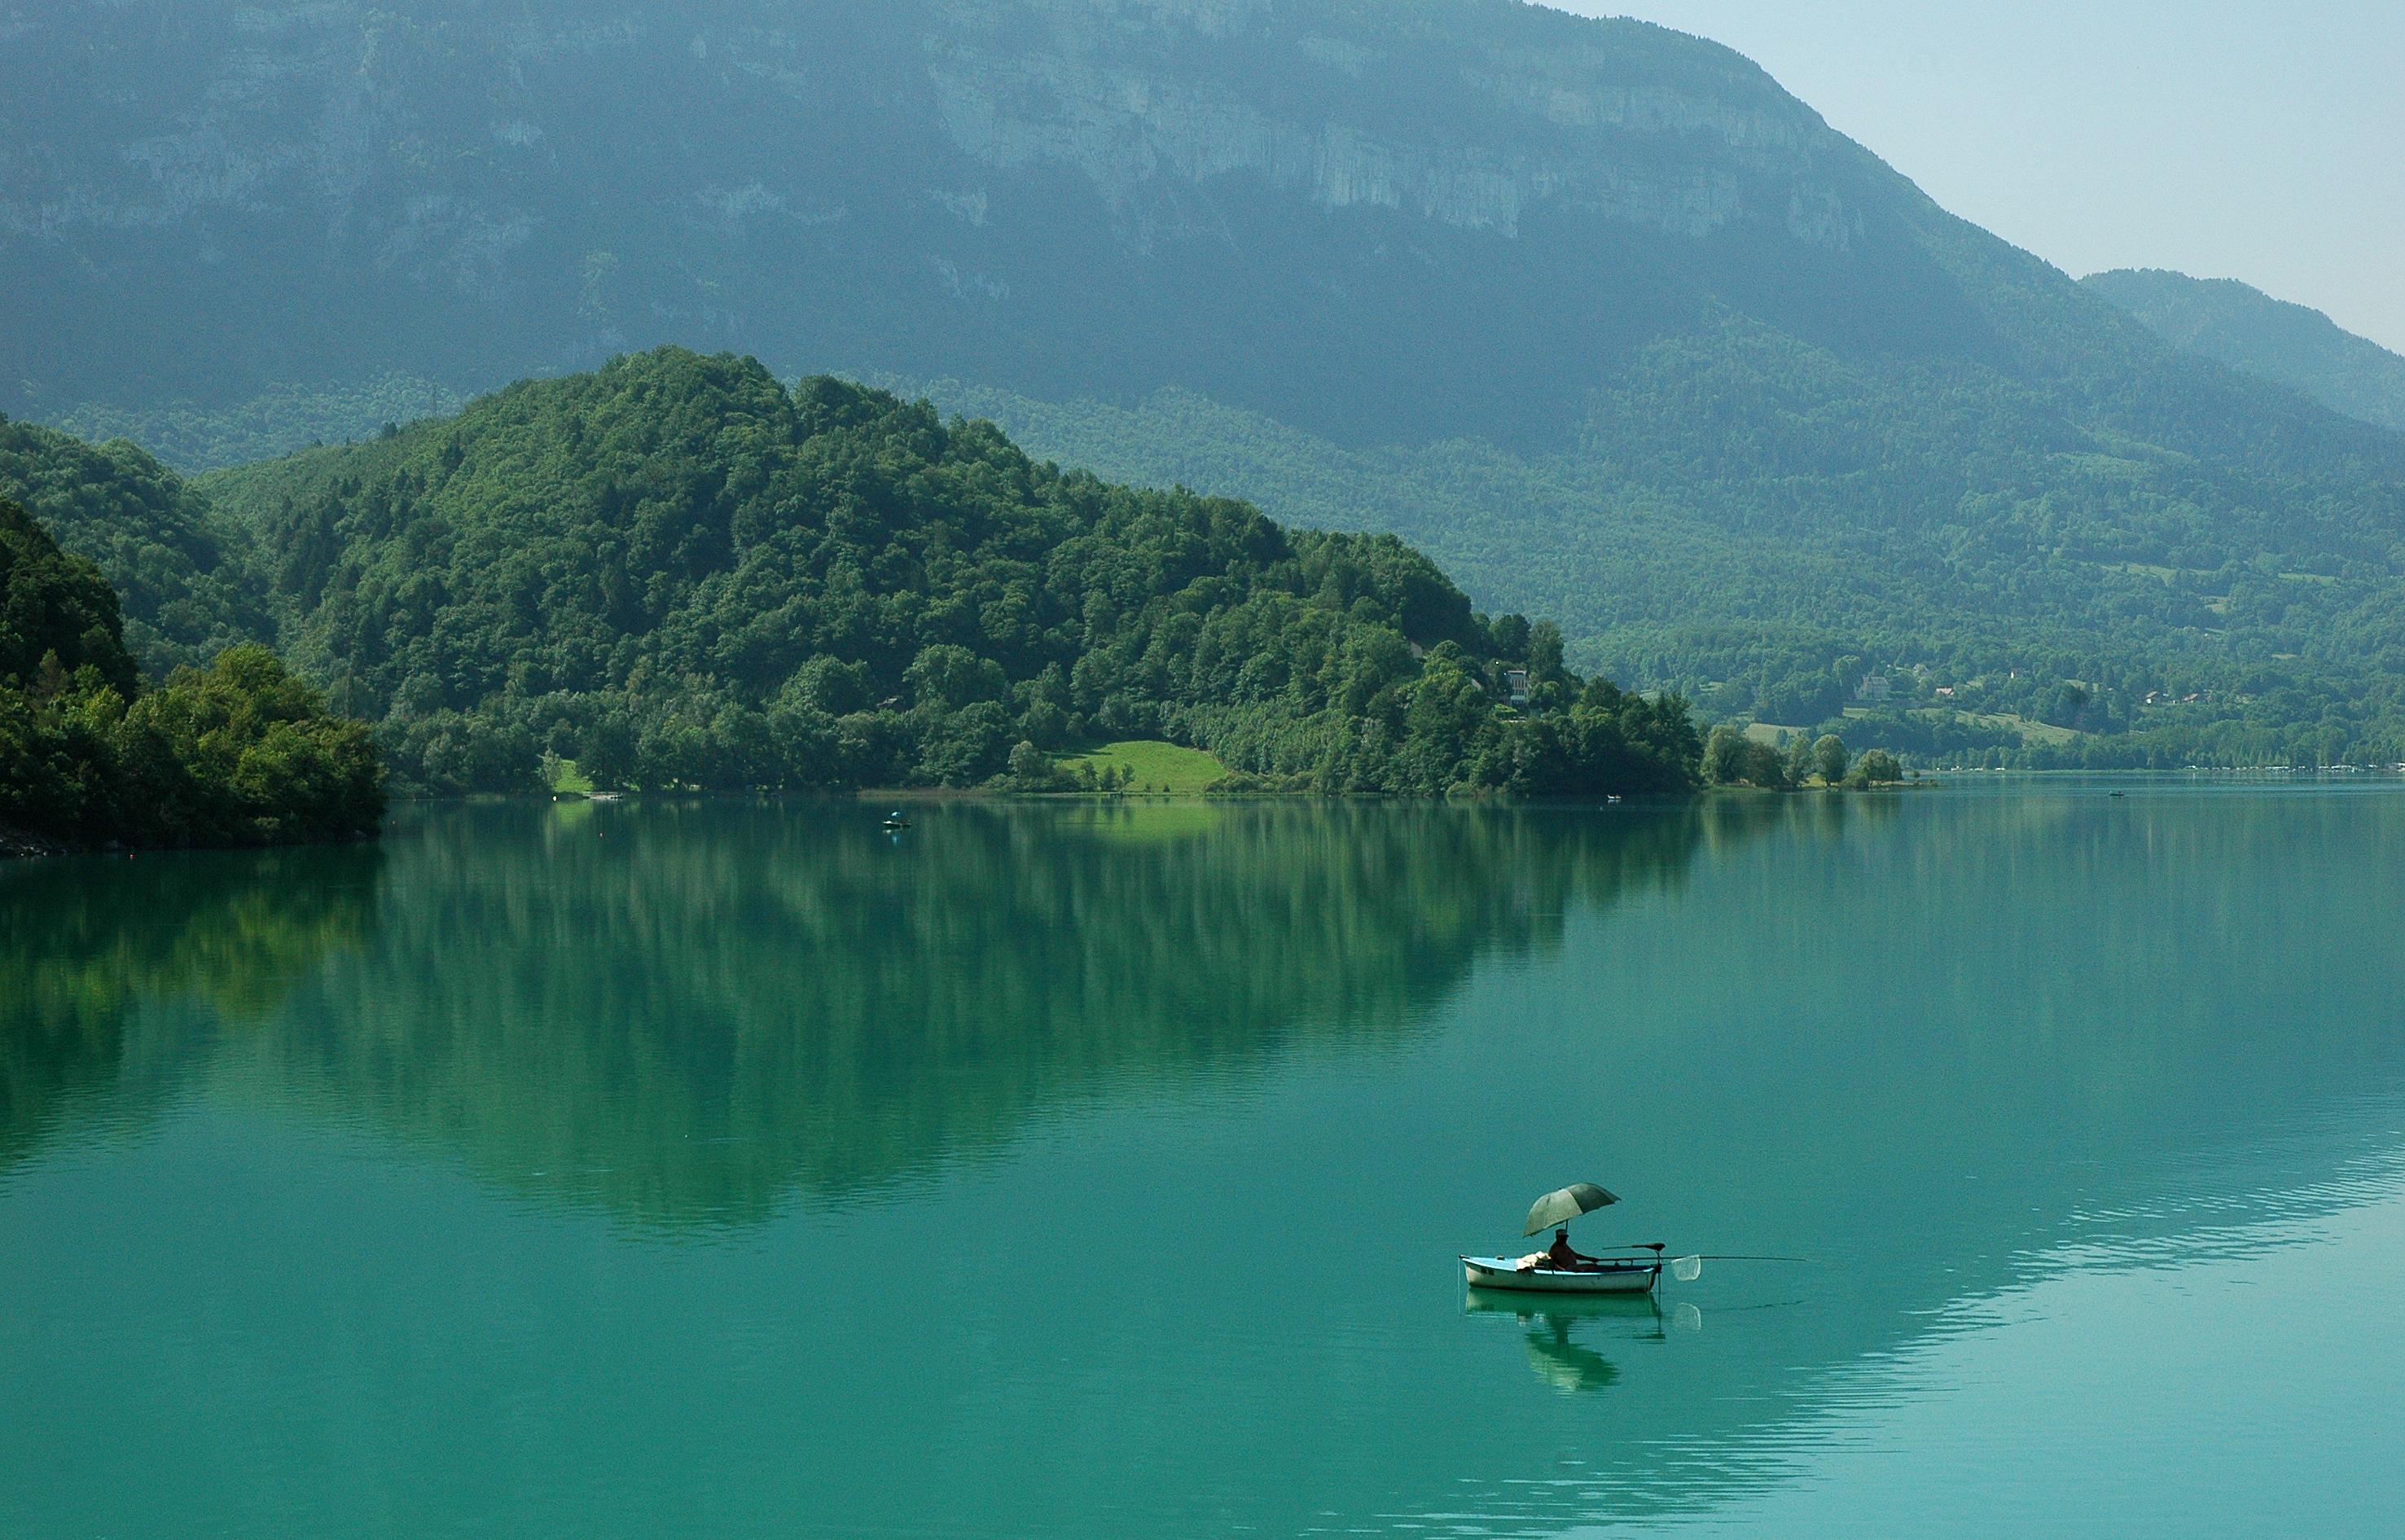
[895,820]
[1606,1275]
[1503,1272]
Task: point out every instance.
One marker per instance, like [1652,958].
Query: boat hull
[1502,1272]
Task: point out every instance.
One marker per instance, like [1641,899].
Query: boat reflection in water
[488,1177]
[1568,1366]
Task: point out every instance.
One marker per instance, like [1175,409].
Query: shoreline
[18,844]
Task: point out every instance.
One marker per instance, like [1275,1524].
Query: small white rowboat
[1503,1272]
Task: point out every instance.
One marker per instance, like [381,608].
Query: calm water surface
[718,1169]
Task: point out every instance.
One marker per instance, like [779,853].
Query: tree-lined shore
[678,573]
[94,755]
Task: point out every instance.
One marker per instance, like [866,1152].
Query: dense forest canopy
[184,596]
[239,753]
[2291,345]
[675,571]
[2215,568]
[1592,313]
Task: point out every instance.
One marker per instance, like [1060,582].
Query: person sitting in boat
[1559,1258]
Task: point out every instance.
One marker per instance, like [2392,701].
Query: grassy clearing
[2031,730]
[1154,766]
[564,779]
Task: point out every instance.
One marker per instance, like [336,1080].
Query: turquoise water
[721,1169]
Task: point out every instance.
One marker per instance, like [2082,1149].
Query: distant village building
[1875,687]
[1516,681]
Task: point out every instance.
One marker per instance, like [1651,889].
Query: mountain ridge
[1598,314]
[2290,344]
[407,162]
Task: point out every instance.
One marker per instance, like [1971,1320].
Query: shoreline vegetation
[1734,757]
[1912,779]
[1156,770]
[96,757]
[677,573]
[1866,469]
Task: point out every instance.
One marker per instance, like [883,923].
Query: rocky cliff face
[1467,205]
[1593,312]
[1342,119]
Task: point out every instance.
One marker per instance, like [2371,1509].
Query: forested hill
[1591,312]
[91,753]
[1379,222]
[184,594]
[675,571]
[2241,326]
[1770,527]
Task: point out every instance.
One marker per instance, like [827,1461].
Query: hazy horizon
[2232,139]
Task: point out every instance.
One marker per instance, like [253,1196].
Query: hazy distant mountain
[2242,327]
[1593,312]
[1383,222]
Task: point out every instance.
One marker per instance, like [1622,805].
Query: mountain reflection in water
[683,1011]
[1954,1046]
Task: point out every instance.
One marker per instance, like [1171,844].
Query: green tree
[1733,759]
[57,612]
[1829,757]
[1031,769]
[676,573]
[1878,768]
[181,575]
[239,753]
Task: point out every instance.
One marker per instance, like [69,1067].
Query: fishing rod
[1686,1269]
[1658,1247]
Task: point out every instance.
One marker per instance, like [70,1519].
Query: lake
[726,1167]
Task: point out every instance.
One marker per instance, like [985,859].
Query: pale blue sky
[2225,139]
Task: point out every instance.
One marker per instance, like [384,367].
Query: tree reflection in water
[684,1012]
[92,949]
